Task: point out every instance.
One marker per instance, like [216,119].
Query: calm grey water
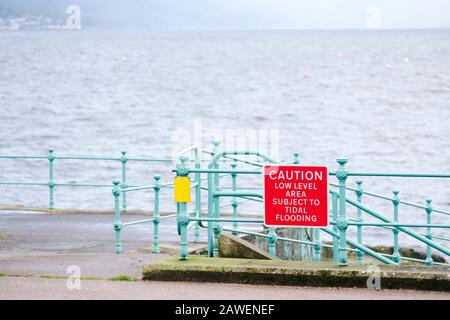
[381,99]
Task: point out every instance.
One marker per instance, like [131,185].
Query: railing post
[156,218]
[123,160]
[317,245]
[217,228]
[117,220]
[182,214]
[198,197]
[429,210]
[334,210]
[296,157]
[234,204]
[51,182]
[395,231]
[342,225]
[272,241]
[183,221]
[210,215]
[359,194]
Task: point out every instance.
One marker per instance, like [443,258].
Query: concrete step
[296,273]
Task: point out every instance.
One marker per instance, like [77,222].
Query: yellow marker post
[182,189]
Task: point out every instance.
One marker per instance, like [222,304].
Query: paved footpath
[47,244]
[37,248]
[33,288]
[33,232]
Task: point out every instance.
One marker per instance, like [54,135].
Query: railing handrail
[375,195]
[399,175]
[217,155]
[338,221]
[51,183]
[398,227]
[214,172]
[101,158]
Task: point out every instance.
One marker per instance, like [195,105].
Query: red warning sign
[295,196]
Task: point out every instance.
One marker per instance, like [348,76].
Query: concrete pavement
[44,288]
[37,248]
[27,232]
[98,265]
[34,243]
[298,273]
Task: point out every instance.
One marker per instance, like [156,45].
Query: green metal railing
[339,224]
[120,190]
[51,158]
[210,179]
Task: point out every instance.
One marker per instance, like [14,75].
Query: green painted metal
[272,241]
[398,175]
[52,184]
[395,202]
[339,223]
[296,157]
[341,174]
[51,181]
[407,203]
[118,226]
[429,210]
[296,241]
[366,250]
[228,171]
[185,220]
[214,229]
[124,185]
[210,214]
[316,233]
[23,157]
[402,227]
[267,236]
[335,210]
[137,222]
[25,183]
[117,220]
[438,237]
[317,245]
[219,194]
[198,198]
[389,225]
[235,203]
[214,194]
[197,185]
[359,194]
[156,218]
[217,228]
[227,220]
[182,214]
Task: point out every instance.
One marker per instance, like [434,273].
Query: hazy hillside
[135,13]
[238,14]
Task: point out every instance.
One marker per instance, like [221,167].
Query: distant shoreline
[219,30]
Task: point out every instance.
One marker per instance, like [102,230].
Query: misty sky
[236,14]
